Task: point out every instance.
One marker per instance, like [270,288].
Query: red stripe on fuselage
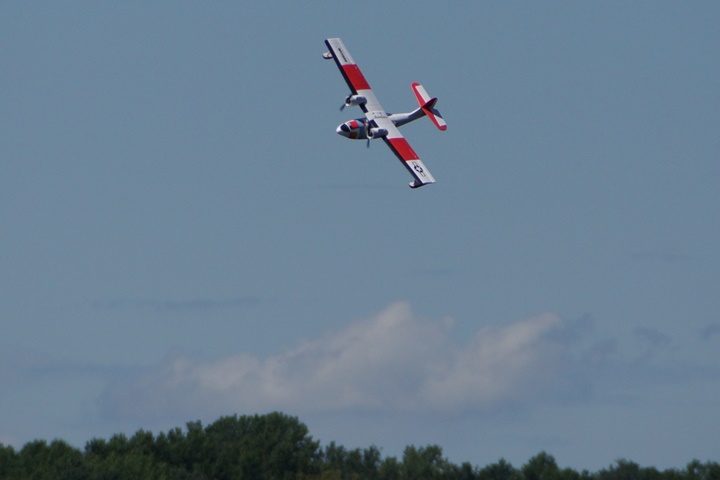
[355,77]
[403,149]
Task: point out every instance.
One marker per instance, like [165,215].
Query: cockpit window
[345,128]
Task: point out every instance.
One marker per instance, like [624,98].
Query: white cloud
[392,361]
[499,363]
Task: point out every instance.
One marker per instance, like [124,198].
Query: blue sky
[185,236]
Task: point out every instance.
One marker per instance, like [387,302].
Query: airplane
[377,123]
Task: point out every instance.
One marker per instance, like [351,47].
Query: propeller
[377,132]
[344,104]
[353,99]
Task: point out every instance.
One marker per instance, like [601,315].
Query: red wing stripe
[355,77]
[403,148]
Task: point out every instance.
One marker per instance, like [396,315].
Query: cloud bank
[393,361]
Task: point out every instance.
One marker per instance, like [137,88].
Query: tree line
[278,447]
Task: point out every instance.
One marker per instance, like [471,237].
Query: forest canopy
[279,447]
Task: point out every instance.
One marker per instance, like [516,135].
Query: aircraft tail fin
[427,105]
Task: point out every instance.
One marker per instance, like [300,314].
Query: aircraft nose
[343,130]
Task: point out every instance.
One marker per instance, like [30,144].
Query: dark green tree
[333,458]
[390,469]
[541,467]
[628,470]
[56,461]
[502,470]
[697,470]
[186,452]
[371,459]
[278,447]
[466,472]
[424,463]
[9,462]
[273,447]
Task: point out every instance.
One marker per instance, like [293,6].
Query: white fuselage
[357,129]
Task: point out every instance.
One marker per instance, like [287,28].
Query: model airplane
[378,123]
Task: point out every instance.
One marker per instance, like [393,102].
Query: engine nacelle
[377,132]
[355,100]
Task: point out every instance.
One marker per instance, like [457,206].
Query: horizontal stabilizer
[427,105]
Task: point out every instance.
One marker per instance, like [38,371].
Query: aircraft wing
[402,149]
[352,74]
[376,114]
